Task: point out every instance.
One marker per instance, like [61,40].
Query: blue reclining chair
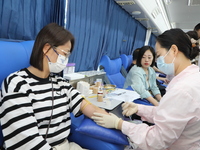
[126,62]
[15,56]
[112,69]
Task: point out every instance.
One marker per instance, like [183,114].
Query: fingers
[96,118]
[100,124]
[125,105]
[112,114]
[124,112]
[128,113]
[98,114]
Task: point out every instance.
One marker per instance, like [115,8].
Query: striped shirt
[27,103]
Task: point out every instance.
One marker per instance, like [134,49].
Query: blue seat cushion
[90,128]
[143,101]
[89,142]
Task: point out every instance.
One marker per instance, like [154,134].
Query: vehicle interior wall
[100,27]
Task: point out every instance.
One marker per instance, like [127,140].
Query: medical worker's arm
[169,122]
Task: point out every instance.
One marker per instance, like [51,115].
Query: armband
[86,104]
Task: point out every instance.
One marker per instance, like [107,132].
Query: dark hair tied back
[193,36]
[181,40]
[194,51]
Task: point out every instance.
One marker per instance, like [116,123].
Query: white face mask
[168,69]
[59,65]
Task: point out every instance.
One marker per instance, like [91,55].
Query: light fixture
[155,11]
[173,24]
[136,13]
[154,31]
[163,12]
[167,2]
[131,2]
[193,3]
[142,19]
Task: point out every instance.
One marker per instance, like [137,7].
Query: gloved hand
[129,108]
[107,121]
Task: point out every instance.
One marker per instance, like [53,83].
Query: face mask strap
[173,60]
[48,58]
[55,51]
[167,53]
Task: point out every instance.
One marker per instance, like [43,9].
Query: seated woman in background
[142,77]
[159,81]
[193,36]
[134,57]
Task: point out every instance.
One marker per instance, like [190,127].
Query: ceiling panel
[184,16]
[179,14]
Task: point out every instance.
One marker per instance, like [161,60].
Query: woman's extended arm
[152,100]
[88,108]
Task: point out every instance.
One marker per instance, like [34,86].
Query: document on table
[108,103]
[123,95]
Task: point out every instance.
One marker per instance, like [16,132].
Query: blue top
[136,78]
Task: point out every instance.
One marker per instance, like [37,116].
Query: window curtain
[23,19]
[152,41]
[140,36]
[100,28]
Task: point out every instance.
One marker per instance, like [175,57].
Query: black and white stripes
[25,110]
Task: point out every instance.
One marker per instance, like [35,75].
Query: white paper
[123,95]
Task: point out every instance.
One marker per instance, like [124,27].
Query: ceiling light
[142,19]
[155,11]
[173,24]
[136,13]
[164,14]
[131,2]
[152,28]
[193,3]
[167,2]
[154,31]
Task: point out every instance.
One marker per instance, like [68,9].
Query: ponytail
[195,46]
[194,51]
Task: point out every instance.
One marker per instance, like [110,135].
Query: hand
[129,108]
[107,121]
[166,80]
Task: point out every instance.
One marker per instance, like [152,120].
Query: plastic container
[100,94]
[70,68]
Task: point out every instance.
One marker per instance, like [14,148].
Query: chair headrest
[130,59]
[126,60]
[14,56]
[111,66]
